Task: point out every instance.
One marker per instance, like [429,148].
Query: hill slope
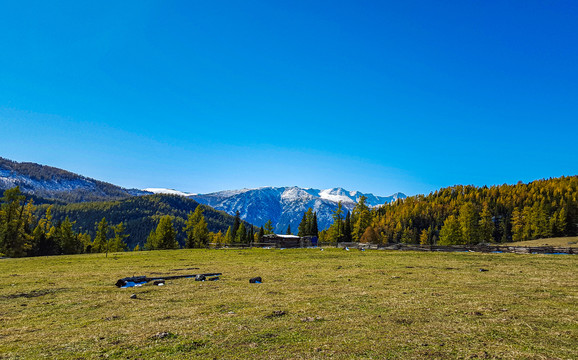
[54,183]
[140,215]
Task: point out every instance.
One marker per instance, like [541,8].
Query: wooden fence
[484,248]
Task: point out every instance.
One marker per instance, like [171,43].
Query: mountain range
[284,206]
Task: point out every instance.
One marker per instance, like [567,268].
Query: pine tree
[228,236]
[468,219]
[236,225]
[347,230]
[117,244]
[451,233]
[196,230]
[562,222]
[517,225]
[67,239]
[151,242]
[486,225]
[335,231]
[268,227]
[241,234]
[43,243]
[165,234]
[309,221]
[302,229]
[260,234]
[424,237]
[362,218]
[288,230]
[100,243]
[314,227]
[251,234]
[15,224]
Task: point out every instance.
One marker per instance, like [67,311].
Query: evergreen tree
[486,226]
[201,233]
[362,218]
[451,233]
[236,225]
[44,244]
[288,230]
[228,236]
[468,219]
[302,229]
[260,234]
[15,224]
[196,230]
[241,234]
[517,225]
[251,234]
[314,226]
[562,222]
[117,244]
[335,231]
[268,227]
[68,240]
[166,234]
[309,222]
[151,242]
[218,239]
[347,229]
[424,237]
[100,243]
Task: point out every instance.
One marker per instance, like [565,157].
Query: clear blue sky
[377,96]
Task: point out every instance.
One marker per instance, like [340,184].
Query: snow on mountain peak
[167,191]
[285,205]
[336,195]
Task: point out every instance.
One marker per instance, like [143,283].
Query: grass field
[558,242]
[313,304]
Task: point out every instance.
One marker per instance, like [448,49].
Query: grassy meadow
[571,241]
[312,304]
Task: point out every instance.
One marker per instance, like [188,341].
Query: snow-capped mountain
[167,191]
[54,183]
[285,205]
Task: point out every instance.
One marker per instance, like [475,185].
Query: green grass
[337,304]
[558,242]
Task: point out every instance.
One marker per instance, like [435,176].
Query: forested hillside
[151,222]
[139,214]
[57,184]
[469,214]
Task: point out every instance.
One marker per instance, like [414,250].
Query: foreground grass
[557,242]
[336,304]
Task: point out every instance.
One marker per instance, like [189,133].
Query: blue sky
[376,96]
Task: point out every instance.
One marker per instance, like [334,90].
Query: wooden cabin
[290,241]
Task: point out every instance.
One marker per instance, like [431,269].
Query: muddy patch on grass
[34,293]
[276,313]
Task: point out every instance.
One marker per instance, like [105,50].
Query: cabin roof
[284,236]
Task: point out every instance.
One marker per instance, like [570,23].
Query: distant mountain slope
[53,183]
[285,205]
[140,215]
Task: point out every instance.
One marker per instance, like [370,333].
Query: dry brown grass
[337,304]
[557,242]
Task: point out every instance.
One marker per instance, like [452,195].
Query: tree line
[22,233]
[465,215]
